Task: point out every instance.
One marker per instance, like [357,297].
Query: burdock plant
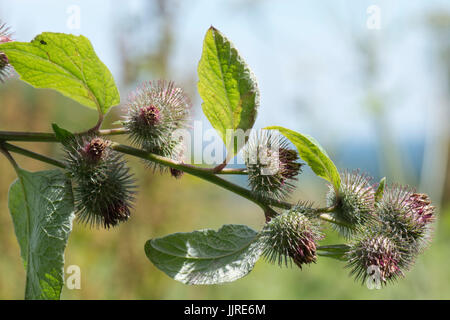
[380,251]
[103,185]
[291,236]
[272,165]
[155,111]
[408,216]
[354,203]
[385,228]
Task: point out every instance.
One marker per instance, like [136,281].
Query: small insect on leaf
[43,42]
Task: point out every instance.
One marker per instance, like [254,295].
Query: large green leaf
[66,63]
[41,206]
[314,155]
[228,88]
[206,256]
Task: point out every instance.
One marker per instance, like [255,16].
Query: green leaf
[42,210]
[228,88]
[380,190]
[314,155]
[66,63]
[64,136]
[206,256]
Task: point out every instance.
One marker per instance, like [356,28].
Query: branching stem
[4,151]
[33,155]
[203,173]
[51,137]
[208,174]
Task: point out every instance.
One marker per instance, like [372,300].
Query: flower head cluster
[388,227]
[376,255]
[104,186]
[271,164]
[5,67]
[354,202]
[408,216]
[391,231]
[155,111]
[291,236]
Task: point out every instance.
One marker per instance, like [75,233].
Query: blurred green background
[378,100]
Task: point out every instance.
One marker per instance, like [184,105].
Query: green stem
[99,122]
[208,174]
[334,247]
[113,131]
[335,251]
[33,155]
[326,209]
[242,171]
[323,214]
[4,150]
[27,136]
[203,173]
[50,137]
[331,219]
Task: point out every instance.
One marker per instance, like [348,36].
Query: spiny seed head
[407,215]
[354,202]
[290,236]
[155,111]
[271,164]
[104,186]
[376,255]
[5,67]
